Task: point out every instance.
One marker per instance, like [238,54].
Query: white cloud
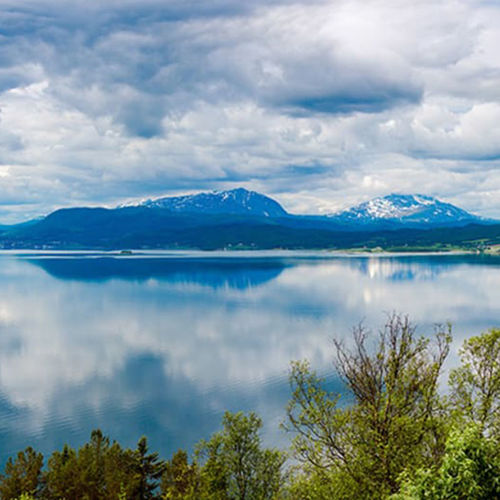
[319,104]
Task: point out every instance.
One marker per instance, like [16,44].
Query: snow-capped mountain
[392,211]
[408,209]
[250,220]
[237,201]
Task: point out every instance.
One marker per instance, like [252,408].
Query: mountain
[244,219]
[237,201]
[387,212]
[409,210]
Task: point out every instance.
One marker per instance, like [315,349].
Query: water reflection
[417,267]
[216,273]
[163,346]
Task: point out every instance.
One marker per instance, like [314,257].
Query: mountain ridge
[234,201]
[254,221]
[407,208]
[390,211]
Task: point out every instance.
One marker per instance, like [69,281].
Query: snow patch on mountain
[413,208]
[237,201]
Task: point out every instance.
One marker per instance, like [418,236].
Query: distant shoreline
[275,253]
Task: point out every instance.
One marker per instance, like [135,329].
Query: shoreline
[274,253]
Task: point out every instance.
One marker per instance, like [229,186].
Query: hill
[248,220]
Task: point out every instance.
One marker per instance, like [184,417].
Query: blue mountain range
[410,210]
[239,218]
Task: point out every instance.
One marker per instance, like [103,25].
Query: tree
[62,477]
[22,475]
[475,385]
[99,470]
[91,460]
[181,479]
[395,420]
[148,470]
[470,470]
[119,472]
[235,465]
[106,470]
[308,483]
[215,475]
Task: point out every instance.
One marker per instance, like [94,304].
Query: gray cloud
[319,103]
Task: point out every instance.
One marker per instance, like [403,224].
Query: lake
[162,344]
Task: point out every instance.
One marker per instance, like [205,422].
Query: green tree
[309,483]
[120,472]
[22,475]
[100,470]
[62,477]
[148,470]
[91,461]
[475,385]
[181,479]
[470,470]
[395,419]
[106,470]
[215,474]
[235,465]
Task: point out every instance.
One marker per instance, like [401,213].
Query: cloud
[318,103]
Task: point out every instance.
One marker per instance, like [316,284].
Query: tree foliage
[470,470]
[394,422]
[148,469]
[475,384]
[181,480]
[235,465]
[22,475]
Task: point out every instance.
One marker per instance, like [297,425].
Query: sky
[320,104]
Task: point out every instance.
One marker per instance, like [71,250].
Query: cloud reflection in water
[163,346]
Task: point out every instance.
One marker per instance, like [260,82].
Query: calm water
[162,345]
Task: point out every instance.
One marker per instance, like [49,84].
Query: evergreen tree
[22,475]
[91,461]
[148,469]
[119,472]
[181,479]
[62,477]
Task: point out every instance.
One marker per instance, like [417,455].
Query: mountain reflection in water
[216,273]
[162,346]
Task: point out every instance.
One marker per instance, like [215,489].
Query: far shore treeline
[397,436]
